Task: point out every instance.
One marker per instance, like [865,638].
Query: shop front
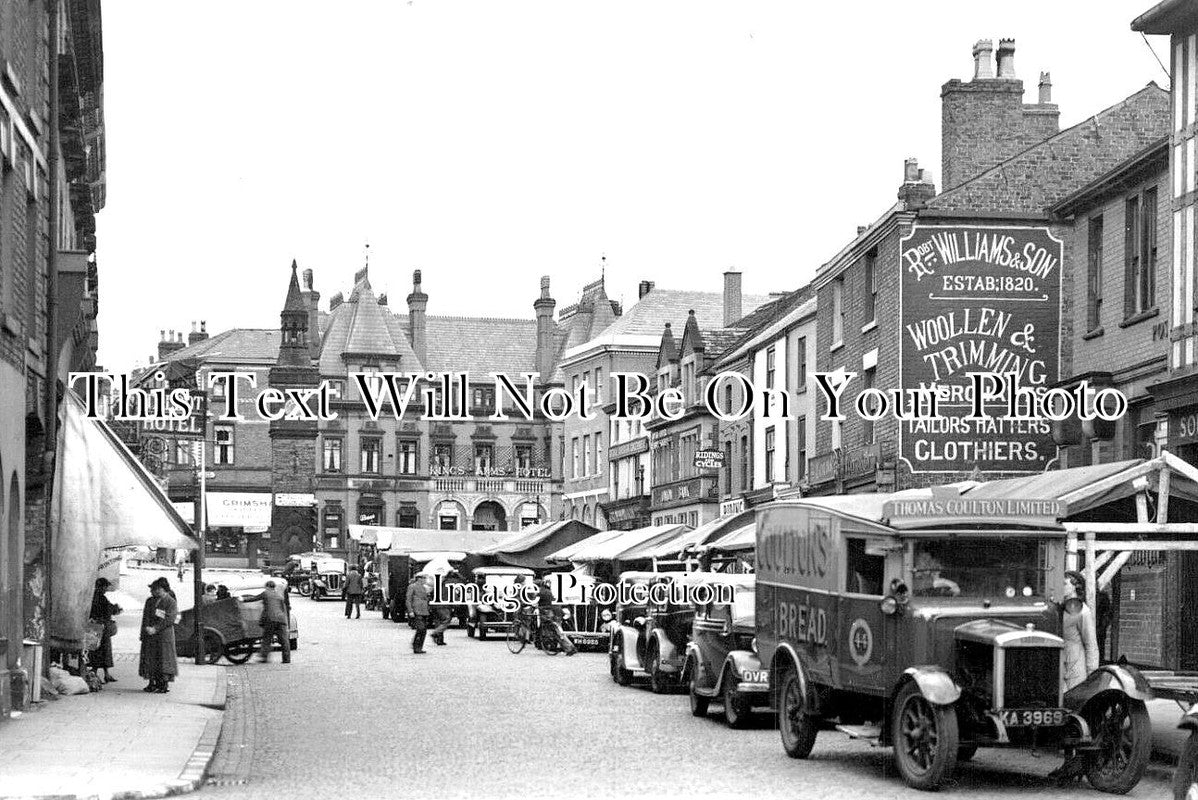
[627,514]
[238,529]
[849,470]
[693,502]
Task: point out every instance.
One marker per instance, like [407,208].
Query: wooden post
[1071,551]
[1162,502]
[1091,578]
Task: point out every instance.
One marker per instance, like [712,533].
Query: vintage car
[721,658]
[327,579]
[935,637]
[587,623]
[650,640]
[485,618]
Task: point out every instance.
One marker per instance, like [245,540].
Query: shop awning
[530,547]
[614,547]
[688,540]
[103,497]
[415,540]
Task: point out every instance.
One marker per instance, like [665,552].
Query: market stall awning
[530,547]
[742,538]
[689,540]
[614,547]
[415,540]
[103,497]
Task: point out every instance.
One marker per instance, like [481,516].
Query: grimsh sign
[978,299]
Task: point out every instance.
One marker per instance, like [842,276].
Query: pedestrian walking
[354,590]
[102,612]
[158,663]
[274,623]
[443,608]
[417,603]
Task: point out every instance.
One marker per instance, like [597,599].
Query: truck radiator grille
[1032,677]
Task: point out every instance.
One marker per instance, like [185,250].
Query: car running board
[871,732]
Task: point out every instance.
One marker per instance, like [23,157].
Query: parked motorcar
[486,618]
[935,637]
[650,640]
[328,579]
[721,658]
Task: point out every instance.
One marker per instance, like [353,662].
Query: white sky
[491,142]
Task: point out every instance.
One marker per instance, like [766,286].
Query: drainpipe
[51,357]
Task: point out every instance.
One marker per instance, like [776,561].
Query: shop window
[448,522]
[223,446]
[408,517]
[371,453]
[408,452]
[332,455]
[370,513]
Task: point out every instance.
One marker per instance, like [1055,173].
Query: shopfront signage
[938,509]
[978,299]
[709,459]
[1183,427]
[680,493]
[822,468]
[859,462]
[294,499]
[731,507]
[239,509]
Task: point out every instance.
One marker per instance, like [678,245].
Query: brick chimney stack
[168,344]
[985,121]
[197,336]
[417,304]
[546,354]
[918,187]
[1045,89]
[644,288]
[732,297]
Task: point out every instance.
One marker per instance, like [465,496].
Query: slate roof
[660,306]
[481,344]
[363,326]
[236,346]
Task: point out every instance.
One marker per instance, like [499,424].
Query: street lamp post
[201,525]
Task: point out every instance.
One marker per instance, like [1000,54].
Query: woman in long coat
[102,612]
[158,664]
[1079,632]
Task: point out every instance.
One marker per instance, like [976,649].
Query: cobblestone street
[357,714]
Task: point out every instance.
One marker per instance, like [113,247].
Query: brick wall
[984,122]
[1141,595]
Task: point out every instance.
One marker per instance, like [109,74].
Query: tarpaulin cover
[530,547]
[743,538]
[685,540]
[103,497]
[615,547]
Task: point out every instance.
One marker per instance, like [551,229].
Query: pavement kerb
[189,780]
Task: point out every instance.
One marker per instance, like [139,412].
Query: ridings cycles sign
[978,299]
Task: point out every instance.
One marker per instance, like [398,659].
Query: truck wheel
[737,708]
[798,728]
[1185,779]
[699,703]
[1123,736]
[925,739]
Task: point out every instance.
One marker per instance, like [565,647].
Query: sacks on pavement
[66,683]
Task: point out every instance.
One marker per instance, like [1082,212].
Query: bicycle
[527,628]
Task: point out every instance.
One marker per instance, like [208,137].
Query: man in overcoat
[417,600]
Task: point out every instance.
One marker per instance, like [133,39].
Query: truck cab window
[863,573]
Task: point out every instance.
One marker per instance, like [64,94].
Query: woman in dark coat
[158,664]
[102,613]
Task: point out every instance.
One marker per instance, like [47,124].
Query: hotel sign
[978,299]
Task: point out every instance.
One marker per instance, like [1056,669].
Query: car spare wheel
[798,728]
[925,739]
[1122,734]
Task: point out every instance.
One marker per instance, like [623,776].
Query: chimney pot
[383,299]
[983,60]
[193,326]
[162,335]
[910,170]
[644,288]
[203,326]
[416,280]
[1045,88]
[545,287]
[862,229]
[732,297]
[1006,58]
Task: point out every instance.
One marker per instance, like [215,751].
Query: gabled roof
[236,346]
[667,351]
[660,306]
[1046,172]
[481,345]
[692,337]
[1153,157]
[362,326]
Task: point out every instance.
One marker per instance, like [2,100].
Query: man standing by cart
[274,623]
[417,603]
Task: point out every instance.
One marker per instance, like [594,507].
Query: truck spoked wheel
[925,739]
[1123,736]
[797,727]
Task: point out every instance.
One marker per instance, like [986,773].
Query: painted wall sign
[978,299]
